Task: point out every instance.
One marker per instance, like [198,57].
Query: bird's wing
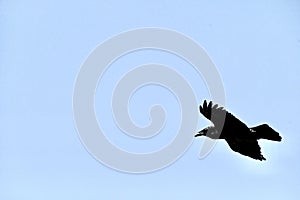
[246,147]
[218,115]
[266,132]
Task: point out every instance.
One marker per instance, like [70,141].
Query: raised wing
[248,147]
[222,119]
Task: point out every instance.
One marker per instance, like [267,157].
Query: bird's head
[210,132]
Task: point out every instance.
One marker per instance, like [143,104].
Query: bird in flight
[240,138]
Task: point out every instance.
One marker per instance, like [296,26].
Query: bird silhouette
[240,138]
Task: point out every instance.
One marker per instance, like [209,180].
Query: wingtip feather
[210,105]
[201,109]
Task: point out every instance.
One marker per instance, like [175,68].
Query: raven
[240,138]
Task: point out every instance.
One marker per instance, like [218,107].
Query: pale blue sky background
[255,45]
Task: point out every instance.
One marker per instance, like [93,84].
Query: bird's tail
[264,131]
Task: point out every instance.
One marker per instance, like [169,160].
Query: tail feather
[266,132]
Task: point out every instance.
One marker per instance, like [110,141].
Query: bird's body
[236,133]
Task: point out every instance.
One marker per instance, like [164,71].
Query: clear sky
[254,44]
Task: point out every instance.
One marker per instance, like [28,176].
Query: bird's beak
[200,133]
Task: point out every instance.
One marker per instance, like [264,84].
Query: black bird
[240,138]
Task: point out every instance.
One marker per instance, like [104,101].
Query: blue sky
[255,46]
